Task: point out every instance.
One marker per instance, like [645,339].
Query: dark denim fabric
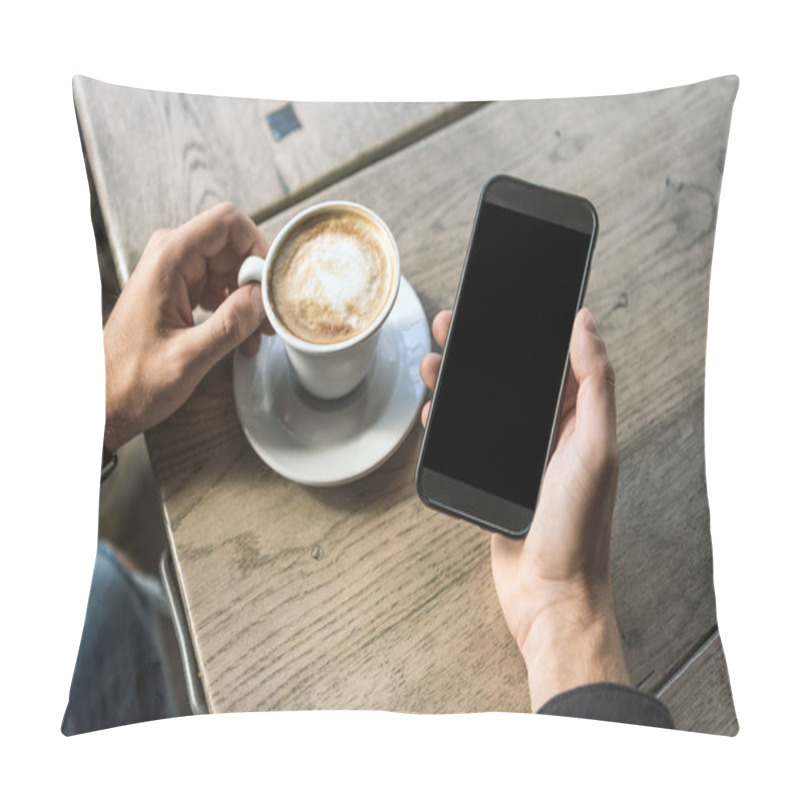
[118,677]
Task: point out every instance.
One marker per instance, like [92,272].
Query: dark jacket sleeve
[610,702]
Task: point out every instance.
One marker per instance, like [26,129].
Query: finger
[216,242]
[213,295]
[426,410]
[440,326]
[223,227]
[570,395]
[211,302]
[596,417]
[245,239]
[429,369]
[236,319]
[251,344]
[571,389]
[566,421]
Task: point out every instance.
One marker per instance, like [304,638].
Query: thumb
[233,321]
[595,412]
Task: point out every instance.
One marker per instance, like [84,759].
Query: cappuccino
[332,277]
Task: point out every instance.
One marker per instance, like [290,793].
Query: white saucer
[331,442]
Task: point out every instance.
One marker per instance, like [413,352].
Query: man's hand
[554,585]
[154,353]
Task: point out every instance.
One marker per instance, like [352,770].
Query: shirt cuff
[610,702]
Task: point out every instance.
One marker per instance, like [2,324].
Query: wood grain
[360,597]
[699,696]
[159,158]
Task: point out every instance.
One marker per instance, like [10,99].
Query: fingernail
[591,323]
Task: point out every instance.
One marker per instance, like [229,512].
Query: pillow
[357,596]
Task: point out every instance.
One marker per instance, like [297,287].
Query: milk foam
[331,279]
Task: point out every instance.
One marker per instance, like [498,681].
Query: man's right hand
[554,586]
[155,355]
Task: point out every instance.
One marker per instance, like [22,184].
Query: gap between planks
[369,157]
[683,666]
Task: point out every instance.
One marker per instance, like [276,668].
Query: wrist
[113,432]
[112,438]
[572,642]
[117,430]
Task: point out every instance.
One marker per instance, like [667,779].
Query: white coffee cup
[331,370]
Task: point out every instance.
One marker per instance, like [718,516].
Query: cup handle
[252,270]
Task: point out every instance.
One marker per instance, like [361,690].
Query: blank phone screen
[500,384]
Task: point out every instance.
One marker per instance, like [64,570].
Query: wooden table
[359,597]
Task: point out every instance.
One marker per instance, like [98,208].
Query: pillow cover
[356,596]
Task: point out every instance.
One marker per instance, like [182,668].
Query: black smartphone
[495,407]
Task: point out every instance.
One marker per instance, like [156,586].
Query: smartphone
[495,408]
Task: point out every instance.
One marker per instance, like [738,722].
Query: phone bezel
[451,496]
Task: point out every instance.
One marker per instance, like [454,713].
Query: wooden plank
[699,696]
[159,158]
[400,613]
